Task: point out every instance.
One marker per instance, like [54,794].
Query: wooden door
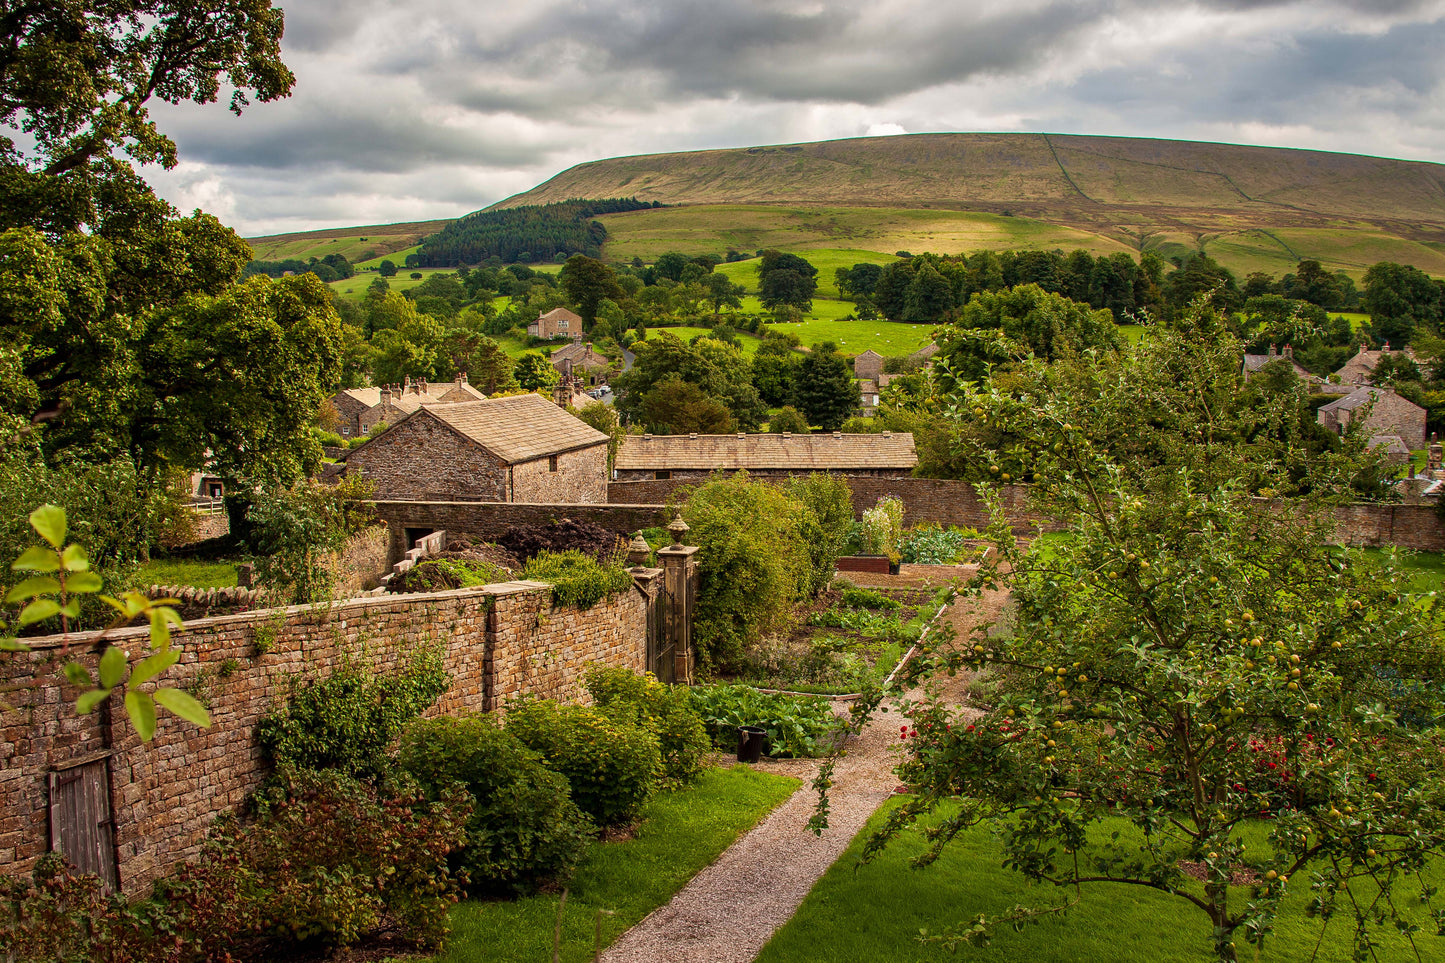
[80,824]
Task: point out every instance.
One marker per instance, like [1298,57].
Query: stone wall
[362,563]
[423,458]
[498,642]
[489,520]
[946,502]
[579,477]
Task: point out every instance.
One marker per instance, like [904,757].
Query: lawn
[354,288]
[1425,569]
[748,341]
[182,571]
[620,883]
[875,912]
[855,337]
[826,260]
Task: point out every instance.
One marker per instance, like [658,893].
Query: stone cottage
[360,409]
[1380,411]
[1254,363]
[557,323]
[580,360]
[518,449]
[1357,370]
[886,455]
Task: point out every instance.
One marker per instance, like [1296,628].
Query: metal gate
[659,648]
[80,824]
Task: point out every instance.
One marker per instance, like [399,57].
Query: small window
[662,475]
[552,463]
[562,325]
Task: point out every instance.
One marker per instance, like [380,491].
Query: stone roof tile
[820,452]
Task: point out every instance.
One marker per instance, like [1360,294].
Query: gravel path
[731,909]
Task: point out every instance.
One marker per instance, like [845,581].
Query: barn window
[551,462]
[662,475]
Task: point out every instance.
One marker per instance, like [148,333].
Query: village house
[580,360]
[868,365]
[1357,370]
[518,449]
[886,455]
[557,323]
[358,410]
[1254,363]
[1380,412]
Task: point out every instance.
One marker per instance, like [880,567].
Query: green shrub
[295,531]
[347,720]
[860,598]
[796,725]
[611,766]
[825,529]
[754,564]
[524,829]
[442,574]
[578,580]
[882,527]
[666,711]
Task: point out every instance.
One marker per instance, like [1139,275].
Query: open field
[620,883]
[826,260]
[713,228]
[356,243]
[875,912]
[855,337]
[748,341]
[354,288]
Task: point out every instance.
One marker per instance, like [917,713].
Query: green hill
[356,243]
[1253,208]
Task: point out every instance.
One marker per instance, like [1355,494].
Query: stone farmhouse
[517,449]
[1380,412]
[580,360]
[557,323]
[643,457]
[361,409]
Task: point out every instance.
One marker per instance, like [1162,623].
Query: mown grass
[1425,570]
[187,572]
[855,337]
[826,260]
[876,912]
[749,342]
[354,288]
[620,883]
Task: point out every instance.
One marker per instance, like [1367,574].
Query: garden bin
[750,743]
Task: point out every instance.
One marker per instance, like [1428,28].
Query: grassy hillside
[370,243]
[1254,208]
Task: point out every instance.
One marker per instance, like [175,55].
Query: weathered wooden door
[80,824]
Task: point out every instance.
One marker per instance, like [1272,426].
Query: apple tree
[1202,695]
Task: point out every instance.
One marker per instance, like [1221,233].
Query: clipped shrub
[578,579]
[330,860]
[347,720]
[754,563]
[796,725]
[611,766]
[666,711]
[524,828]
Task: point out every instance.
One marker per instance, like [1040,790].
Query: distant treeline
[929,287]
[332,267]
[535,233]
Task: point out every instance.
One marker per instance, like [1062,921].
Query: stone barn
[1380,411]
[518,449]
[644,457]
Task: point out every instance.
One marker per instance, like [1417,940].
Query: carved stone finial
[639,551]
[678,528]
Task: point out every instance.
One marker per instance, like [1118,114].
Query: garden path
[731,909]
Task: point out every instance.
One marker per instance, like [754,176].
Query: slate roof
[822,452]
[1392,444]
[1355,399]
[519,428]
[581,356]
[516,429]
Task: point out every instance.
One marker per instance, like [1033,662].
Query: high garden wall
[944,502]
[68,780]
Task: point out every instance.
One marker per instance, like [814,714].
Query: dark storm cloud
[405,106]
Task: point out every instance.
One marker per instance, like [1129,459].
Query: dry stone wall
[497,642]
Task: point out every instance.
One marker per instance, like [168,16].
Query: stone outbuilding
[1380,412]
[886,455]
[557,323]
[359,410]
[517,449]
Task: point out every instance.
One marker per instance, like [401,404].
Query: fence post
[679,581]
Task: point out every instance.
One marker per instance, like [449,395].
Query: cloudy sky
[413,109]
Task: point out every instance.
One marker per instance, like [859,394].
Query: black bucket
[750,743]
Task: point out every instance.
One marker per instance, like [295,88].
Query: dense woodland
[540,232]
